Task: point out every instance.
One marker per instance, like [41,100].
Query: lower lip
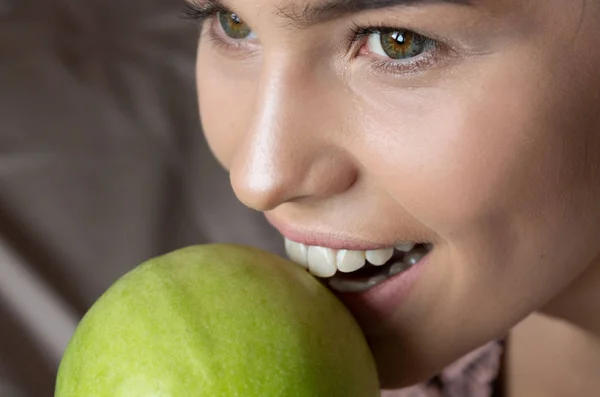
[382,301]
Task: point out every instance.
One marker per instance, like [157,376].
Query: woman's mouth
[356,271]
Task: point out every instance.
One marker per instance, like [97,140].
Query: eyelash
[424,59]
[203,12]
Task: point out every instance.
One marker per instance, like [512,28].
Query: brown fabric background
[102,165]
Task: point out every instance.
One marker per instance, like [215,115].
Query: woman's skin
[486,145]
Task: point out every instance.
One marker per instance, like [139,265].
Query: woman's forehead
[308,12]
[358,5]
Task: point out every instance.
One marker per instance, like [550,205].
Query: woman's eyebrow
[324,11]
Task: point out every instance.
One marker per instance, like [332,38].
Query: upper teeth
[349,261]
[321,261]
[405,246]
[325,262]
[297,252]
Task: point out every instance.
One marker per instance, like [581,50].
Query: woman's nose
[289,151]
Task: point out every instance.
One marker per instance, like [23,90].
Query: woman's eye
[233,26]
[397,44]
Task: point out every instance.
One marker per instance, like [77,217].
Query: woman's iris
[233,26]
[400,44]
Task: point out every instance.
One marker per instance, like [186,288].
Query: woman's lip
[328,240]
[382,301]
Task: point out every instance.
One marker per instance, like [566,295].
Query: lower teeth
[346,285]
[398,267]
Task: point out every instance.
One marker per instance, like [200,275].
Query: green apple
[217,321]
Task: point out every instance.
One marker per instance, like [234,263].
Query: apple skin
[217,320]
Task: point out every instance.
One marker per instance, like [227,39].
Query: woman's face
[473,126]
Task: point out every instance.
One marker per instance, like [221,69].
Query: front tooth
[349,261]
[321,261]
[379,257]
[405,247]
[297,252]
[414,256]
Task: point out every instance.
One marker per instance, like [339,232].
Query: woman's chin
[397,370]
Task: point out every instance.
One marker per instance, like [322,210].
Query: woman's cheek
[223,109]
[435,152]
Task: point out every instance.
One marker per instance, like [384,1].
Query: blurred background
[102,165]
